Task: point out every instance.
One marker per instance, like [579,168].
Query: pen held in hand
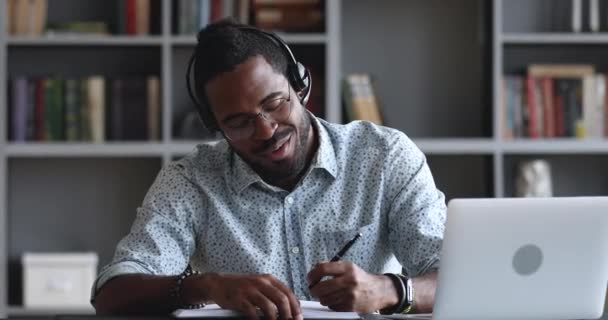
[341,253]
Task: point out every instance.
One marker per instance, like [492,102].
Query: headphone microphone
[298,76]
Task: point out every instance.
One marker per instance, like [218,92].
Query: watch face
[527,259]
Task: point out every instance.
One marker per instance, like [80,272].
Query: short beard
[286,170]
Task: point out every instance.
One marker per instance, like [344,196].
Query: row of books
[554,101]
[84,109]
[29,18]
[193,15]
[360,101]
[279,15]
[26,17]
[288,15]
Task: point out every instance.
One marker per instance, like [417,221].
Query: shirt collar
[242,175]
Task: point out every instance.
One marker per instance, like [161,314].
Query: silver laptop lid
[524,258]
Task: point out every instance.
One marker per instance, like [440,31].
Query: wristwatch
[409,294]
[405,293]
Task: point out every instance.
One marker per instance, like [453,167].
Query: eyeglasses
[273,111]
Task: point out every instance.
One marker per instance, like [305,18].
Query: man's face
[276,150]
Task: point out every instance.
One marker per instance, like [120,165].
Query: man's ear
[301,95]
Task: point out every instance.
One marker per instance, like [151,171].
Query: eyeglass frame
[264,114]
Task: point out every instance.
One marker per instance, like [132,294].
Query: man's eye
[238,123]
[274,104]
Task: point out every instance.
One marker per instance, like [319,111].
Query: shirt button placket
[293,243]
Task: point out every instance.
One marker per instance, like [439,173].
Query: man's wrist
[196,289]
[389,293]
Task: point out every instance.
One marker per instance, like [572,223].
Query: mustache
[270,143]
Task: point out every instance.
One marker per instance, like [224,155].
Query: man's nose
[264,127]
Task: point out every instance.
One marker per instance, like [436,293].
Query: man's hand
[246,293]
[352,288]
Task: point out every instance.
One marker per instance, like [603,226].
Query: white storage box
[53,280]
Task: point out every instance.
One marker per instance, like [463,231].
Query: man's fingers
[293,301]
[279,299]
[327,287]
[327,269]
[334,298]
[249,310]
[261,301]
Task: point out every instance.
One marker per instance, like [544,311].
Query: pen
[341,253]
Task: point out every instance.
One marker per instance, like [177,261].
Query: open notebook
[310,310]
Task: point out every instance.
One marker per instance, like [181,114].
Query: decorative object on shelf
[58,280]
[359,98]
[534,179]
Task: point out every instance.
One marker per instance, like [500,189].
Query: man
[261,213]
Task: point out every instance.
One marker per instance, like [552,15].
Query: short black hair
[224,45]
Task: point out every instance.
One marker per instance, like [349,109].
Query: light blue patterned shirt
[210,209]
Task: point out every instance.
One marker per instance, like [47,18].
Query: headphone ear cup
[299,77]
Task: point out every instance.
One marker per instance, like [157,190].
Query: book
[96,107]
[142,17]
[153,107]
[72,109]
[577,12]
[310,310]
[359,98]
[19,106]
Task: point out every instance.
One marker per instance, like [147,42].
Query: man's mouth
[278,150]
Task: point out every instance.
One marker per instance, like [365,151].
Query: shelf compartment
[432,80]
[462,176]
[518,57]
[571,175]
[66,204]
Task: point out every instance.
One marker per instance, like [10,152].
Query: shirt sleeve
[162,238]
[418,211]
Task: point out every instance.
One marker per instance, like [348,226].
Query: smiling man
[251,222]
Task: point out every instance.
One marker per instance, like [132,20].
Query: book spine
[19,112]
[85,112]
[130,17]
[31,109]
[577,12]
[532,117]
[142,17]
[39,121]
[153,105]
[96,100]
[72,110]
[548,112]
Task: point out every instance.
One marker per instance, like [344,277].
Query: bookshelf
[435,81]
[103,183]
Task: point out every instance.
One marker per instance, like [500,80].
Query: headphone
[297,75]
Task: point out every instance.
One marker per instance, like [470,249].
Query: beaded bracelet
[400,286]
[175,291]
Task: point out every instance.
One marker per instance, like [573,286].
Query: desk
[92,317]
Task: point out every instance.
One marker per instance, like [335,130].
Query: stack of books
[555,101]
[84,109]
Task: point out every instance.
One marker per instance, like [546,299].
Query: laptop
[524,258]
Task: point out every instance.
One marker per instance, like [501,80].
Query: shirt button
[295,250]
[289,200]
